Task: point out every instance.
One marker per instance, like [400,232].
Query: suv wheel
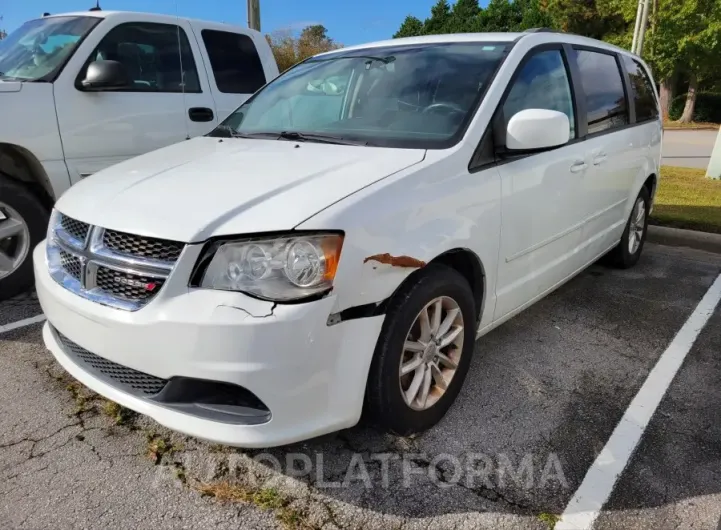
[629,249]
[23,224]
[423,353]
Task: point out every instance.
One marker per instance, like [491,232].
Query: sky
[347,22]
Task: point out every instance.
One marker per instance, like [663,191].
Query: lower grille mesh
[117,375]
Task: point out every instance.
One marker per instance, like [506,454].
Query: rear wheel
[423,353]
[628,251]
[23,224]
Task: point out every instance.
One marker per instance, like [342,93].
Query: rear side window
[605,97]
[642,88]
[235,62]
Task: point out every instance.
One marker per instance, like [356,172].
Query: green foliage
[584,17]
[466,16]
[707,109]
[411,27]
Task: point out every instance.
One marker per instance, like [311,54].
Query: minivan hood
[208,187]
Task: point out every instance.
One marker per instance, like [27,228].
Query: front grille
[76,229]
[71,264]
[144,247]
[117,375]
[92,255]
[127,286]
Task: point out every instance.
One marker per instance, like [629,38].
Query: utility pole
[638,50]
[639,14]
[254,14]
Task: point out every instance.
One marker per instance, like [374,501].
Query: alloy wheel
[431,353]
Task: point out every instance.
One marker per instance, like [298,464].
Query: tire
[385,405]
[622,256]
[35,216]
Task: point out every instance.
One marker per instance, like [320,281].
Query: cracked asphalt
[543,395]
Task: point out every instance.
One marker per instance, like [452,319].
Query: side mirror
[105,75]
[536,129]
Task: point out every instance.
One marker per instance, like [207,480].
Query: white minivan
[338,244]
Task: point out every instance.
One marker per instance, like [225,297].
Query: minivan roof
[536,34]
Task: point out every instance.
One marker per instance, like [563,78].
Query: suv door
[166,102]
[610,141]
[541,214]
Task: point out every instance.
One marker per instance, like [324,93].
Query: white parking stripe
[585,506]
[21,323]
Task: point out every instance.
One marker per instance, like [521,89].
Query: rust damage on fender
[396,261]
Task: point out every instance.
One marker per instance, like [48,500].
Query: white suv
[341,240]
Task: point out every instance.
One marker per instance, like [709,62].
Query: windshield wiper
[297,136]
[225,131]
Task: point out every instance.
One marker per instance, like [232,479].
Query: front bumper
[311,376]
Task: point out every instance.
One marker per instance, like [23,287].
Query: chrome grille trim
[66,254]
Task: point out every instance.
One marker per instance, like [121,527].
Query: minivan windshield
[415,96]
[39,48]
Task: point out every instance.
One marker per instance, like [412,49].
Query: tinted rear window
[605,97]
[235,62]
[643,92]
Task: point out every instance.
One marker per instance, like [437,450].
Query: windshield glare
[418,96]
[38,48]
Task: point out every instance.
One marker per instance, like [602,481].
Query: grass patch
[687,199]
[549,518]
[268,499]
[693,125]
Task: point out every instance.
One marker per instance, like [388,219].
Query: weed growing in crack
[158,447]
[549,518]
[119,414]
[268,499]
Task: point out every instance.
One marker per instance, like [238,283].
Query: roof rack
[540,30]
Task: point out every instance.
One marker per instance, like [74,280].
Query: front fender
[401,223]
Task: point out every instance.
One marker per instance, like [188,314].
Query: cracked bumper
[311,376]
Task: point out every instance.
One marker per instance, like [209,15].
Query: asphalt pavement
[544,393]
[688,148]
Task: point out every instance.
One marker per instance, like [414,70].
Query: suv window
[643,92]
[542,83]
[605,97]
[236,66]
[151,56]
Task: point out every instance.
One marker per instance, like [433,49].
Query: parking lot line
[21,323]
[597,486]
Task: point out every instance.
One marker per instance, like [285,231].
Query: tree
[583,17]
[466,16]
[289,49]
[411,27]
[440,19]
[3,33]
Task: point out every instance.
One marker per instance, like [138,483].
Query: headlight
[279,268]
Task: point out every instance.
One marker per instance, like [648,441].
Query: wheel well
[469,266]
[21,165]
[650,185]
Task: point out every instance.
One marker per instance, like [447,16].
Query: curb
[690,128]
[677,237]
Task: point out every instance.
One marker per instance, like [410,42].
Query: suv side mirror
[537,129]
[105,75]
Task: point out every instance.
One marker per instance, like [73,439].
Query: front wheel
[628,251]
[23,224]
[423,353]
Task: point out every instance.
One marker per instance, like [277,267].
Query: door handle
[579,166]
[599,159]
[200,114]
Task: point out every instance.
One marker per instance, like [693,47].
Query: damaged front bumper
[216,365]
